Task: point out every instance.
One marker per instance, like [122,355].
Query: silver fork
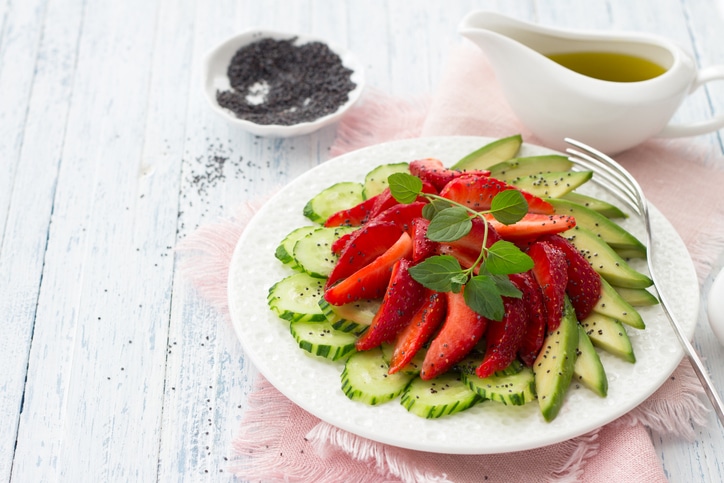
[614,177]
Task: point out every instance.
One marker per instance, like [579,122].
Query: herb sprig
[450,221]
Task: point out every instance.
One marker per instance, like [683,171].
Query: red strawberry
[477,192]
[551,272]
[422,246]
[401,214]
[363,246]
[467,249]
[465,257]
[354,216]
[418,331]
[532,226]
[535,331]
[433,171]
[370,281]
[584,283]
[385,199]
[460,331]
[503,339]
[402,299]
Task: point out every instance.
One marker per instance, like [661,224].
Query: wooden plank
[95,380]
[24,200]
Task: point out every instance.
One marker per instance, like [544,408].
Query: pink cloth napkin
[278,441]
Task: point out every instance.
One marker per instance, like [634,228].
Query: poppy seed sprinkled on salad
[477,279]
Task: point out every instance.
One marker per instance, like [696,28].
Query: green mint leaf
[506,287]
[450,224]
[435,206]
[504,258]
[404,187]
[483,296]
[509,206]
[441,273]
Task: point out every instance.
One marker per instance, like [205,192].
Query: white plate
[487,428]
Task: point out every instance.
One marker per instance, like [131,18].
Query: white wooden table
[111,367]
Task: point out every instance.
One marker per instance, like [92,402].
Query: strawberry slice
[422,246]
[532,226]
[364,245]
[418,331]
[460,331]
[354,216]
[535,330]
[551,272]
[402,299]
[401,214]
[467,248]
[433,171]
[477,192]
[503,339]
[584,283]
[370,281]
[466,258]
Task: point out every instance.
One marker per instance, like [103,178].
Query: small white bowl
[215,78]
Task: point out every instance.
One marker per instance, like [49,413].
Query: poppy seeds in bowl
[277,82]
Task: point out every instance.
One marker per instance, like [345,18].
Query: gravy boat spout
[555,101]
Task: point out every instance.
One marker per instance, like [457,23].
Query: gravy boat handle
[705,75]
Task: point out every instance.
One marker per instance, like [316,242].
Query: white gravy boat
[555,102]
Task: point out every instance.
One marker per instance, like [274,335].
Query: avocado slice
[526,166]
[604,259]
[611,304]
[553,368]
[623,242]
[553,184]
[609,335]
[604,207]
[637,297]
[490,154]
[588,369]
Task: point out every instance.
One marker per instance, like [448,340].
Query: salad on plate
[489,280]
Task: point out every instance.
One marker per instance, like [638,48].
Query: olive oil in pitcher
[609,66]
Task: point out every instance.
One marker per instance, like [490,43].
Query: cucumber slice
[296,297]
[588,369]
[365,378]
[604,259]
[551,185]
[413,367]
[376,180]
[605,208]
[286,248]
[612,304]
[512,389]
[354,317]
[339,196]
[492,153]
[623,242]
[518,167]
[322,340]
[444,395]
[553,368]
[313,252]
[609,335]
